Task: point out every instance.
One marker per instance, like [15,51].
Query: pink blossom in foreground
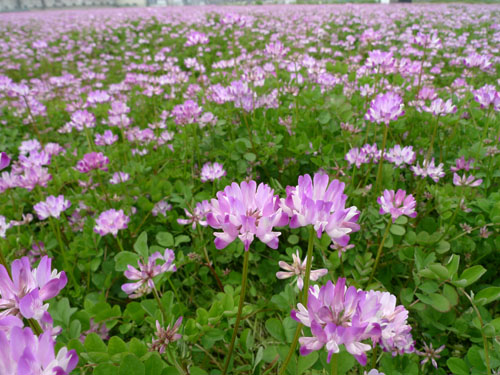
[147,271]
[397,204]
[51,207]
[298,268]
[385,108]
[246,211]
[163,336]
[25,353]
[466,181]
[212,172]
[111,221]
[24,294]
[338,315]
[321,203]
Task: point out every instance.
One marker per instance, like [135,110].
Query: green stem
[485,340]
[379,251]
[305,294]
[431,147]
[334,364]
[240,309]
[174,361]
[310,246]
[381,161]
[69,270]
[160,305]
[374,357]
[119,243]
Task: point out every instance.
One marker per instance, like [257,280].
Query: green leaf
[246,340]
[306,362]
[487,295]
[250,156]
[165,239]
[397,230]
[275,328]
[125,258]
[293,239]
[197,371]
[116,345]
[439,270]
[181,239]
[475,358]
[451,294]
[131,365]
[154,365]
[452,265]
[324,117]
[457,366]
[435,300]
[137,347]
[93,343]
[470,276]
[345,362]
[443,247]
[141,245]
[106,369]
[289,326]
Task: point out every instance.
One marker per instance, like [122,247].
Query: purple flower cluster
[24,294]
[397,204]
[51,207]
[338,315]
[212,172]
[147,271]
[91,161]
[385,108]
[321,203]
[111,221]
[246,211]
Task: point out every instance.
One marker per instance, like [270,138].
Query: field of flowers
[250,190]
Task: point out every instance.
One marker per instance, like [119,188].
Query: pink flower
[298,268]
[429,169]
[111,221]
[91,161]
[187,113]
[25,353]
[322,205]
[195,37]
[385,108]
[400,156]
[108,138]
[24,294]
[165,336]
[466,181]
[212,172]
[198,216]
[146,272]
[439,107]
[118,178]
[397,204]
[51,207]
[246,211]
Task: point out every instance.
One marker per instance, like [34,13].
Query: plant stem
[334,364]
[174,361]
[431,147]
[379,251]
[160,305]
[374,357]
[485,340]
[295,340]
[240,309]
[209,262]
[381,161]
[119,243]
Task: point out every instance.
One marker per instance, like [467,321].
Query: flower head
[24,294]
[466,181]
[51,207]
[165,336]
[430,354]
[397,204]
[385,108]
[212,172]
[91,161]
[4,160]
[321,203]
[111,221]
[400,156]
[429,169]
[246,211]
[198,216]
[147,271]
[298,268]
